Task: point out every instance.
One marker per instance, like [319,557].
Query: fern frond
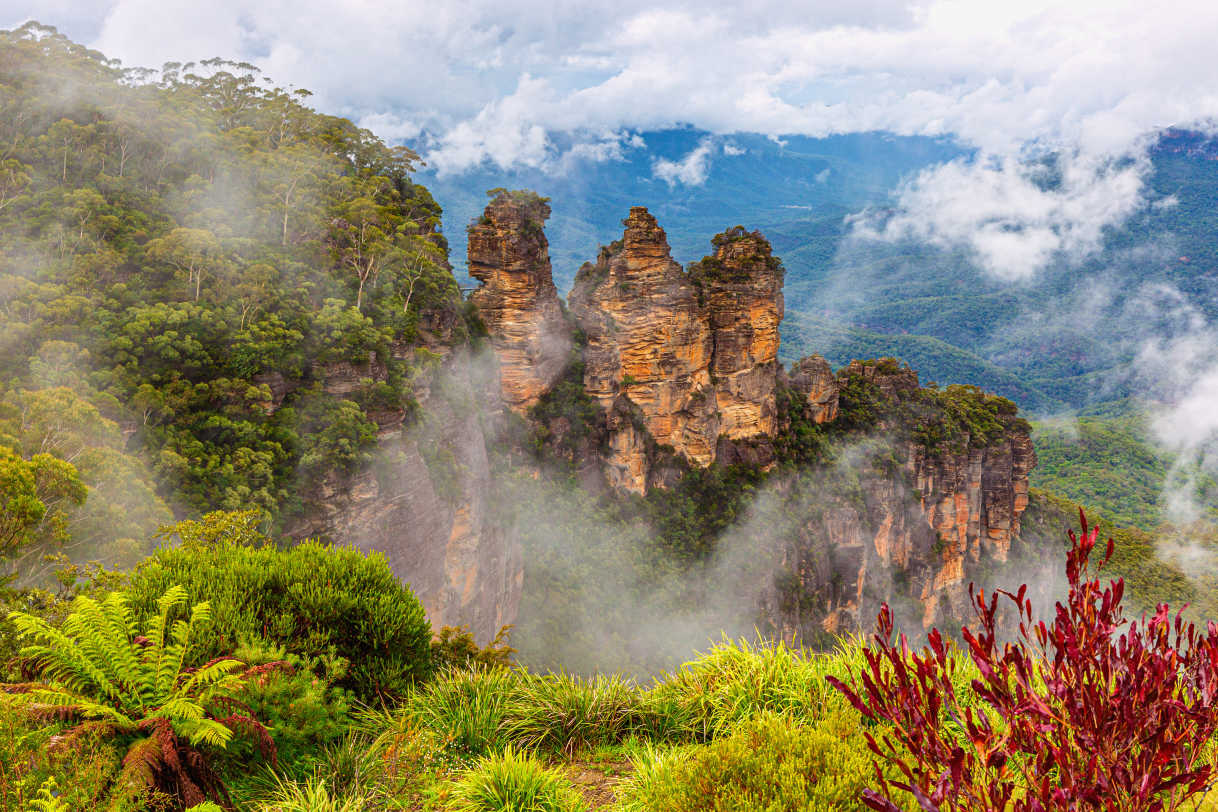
[121,632]
[39,700]
[211,673]
[60,654]
[174,597]
[207,731]
[179,708]
[89,625]
[47,800]
[262,736]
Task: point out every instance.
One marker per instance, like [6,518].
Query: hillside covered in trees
[176,244]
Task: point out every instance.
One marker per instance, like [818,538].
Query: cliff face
[813,378]
[517,300]
[649,341]
[425,501]
[742,286]
[914,525]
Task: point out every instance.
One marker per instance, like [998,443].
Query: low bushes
[771,762]
[313,599]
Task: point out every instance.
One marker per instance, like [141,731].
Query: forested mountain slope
[180,251]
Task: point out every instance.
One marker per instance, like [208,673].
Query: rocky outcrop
[897,521]
[517,300]
[695,353]
[649,340]
[741,284]
[813,378]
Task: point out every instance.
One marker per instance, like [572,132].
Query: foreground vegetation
[112,706]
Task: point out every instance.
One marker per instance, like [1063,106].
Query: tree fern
[97,670]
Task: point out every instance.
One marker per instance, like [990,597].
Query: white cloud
[1014,214]
[1096,72]
[732,150]
[690,170]
[1177,370]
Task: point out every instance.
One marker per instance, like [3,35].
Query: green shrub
[514,782]
[311,599]
[454,647]
[771,762]
[300,703]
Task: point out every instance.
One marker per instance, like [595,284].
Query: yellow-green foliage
[770,763]
[114,683]
[737,681]
[466,709]
[564,713]
[514,782]
[310,598]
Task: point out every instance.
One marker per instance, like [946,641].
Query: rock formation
[694,353]
[425,501]
[813,378]
[742,286]
[905,524]
[517,300]
[649,341]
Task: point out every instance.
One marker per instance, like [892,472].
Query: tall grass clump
[466,709]
[312,795]
[514,782]
[562,713]
[737,680]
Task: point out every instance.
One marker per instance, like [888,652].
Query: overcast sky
[474,81]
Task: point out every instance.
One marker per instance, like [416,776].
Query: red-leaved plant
[1081,713]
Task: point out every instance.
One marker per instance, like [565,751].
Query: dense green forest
[176,245]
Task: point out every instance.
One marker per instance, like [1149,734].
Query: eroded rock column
[509,255]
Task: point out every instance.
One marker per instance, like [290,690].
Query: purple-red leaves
[1096,713]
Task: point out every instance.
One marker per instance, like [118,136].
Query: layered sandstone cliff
[425,501]
[896,520]
[517,300]
[648,352]
[741,284]
[692,355]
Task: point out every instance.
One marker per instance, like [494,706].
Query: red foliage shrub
[1085,712]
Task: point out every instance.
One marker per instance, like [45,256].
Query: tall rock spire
[517,300]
